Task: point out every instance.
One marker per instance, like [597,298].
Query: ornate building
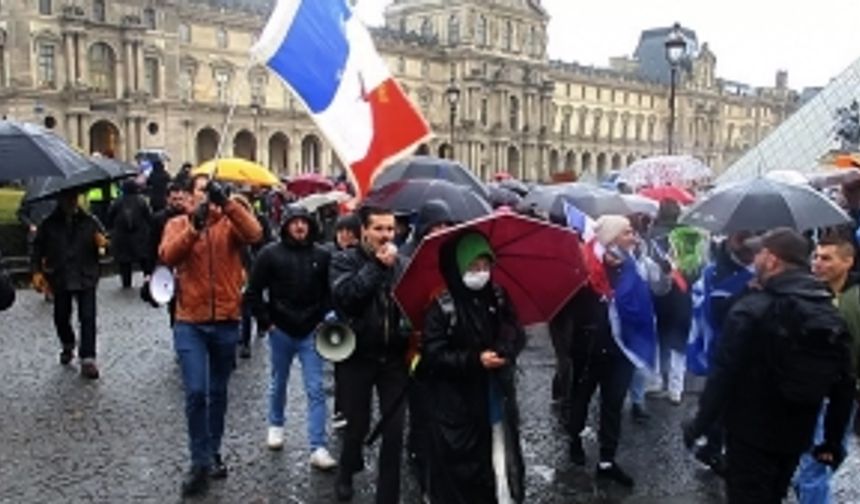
[117,76]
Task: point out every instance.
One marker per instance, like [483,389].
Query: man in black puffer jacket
[294,272]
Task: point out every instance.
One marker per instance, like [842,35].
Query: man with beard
[205,250]
[362,278]
[784,349]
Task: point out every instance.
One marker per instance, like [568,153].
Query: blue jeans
[207,356]
[638,385]
[282,350]
[811,481]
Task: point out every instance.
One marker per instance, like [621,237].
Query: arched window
[509,36]
[102,63]
[427,28]
[514,111]
[481,31]
[454,29]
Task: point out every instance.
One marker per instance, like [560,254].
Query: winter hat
[471,247]
[610,227]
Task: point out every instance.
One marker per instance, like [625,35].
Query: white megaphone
[335,341]
[162,285]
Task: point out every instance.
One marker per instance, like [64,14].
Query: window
[221,38]
[151,76]
[484,112]
[222,82]
[186,84]
[402,25]
[427,28]
[481,31]
[46,65]
[454,30]
[567,90]
[102,65]
[534,42]
[99,12]
[514,111]
[401,65]
[509,36]
[184,33]
[583,91]
[2,66]
[149,18]
[45,7]
[258,89]
[595,128]
[425,69]
[612,96]
[565,123]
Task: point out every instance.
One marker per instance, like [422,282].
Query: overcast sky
[813,39]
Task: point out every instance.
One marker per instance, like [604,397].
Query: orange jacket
[208,264]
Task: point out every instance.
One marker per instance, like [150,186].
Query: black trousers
[358,377]
[126,269]
[755,476]
[86,300]
[612,373]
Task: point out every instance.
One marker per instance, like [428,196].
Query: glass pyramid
[809,135]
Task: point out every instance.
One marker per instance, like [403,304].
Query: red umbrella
[539,264]
[663,193]
[309,183]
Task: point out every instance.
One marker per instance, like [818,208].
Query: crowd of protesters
[772,321]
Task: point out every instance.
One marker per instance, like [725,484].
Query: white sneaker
[675,398]
[322,459]
[275,439]
[338,421]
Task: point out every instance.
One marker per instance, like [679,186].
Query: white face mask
[476,280]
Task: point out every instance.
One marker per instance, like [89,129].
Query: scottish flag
[631,315]
[327,57]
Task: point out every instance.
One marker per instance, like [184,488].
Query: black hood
[432,213]
[797,282]
[293,212]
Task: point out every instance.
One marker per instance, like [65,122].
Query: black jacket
[741,386]
[65,250]
[156,184]
[295,275]
[361,294]
[159,221]
[457,388]
[130,222]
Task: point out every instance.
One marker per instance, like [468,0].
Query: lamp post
[676,48]
[453,95]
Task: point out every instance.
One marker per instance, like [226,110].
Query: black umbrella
[26,151]
[500,196]
[427,167]
[760,204]
[590,199]
[96,171]
[407,196]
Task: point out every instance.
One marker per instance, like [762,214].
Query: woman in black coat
[130,221]
[471,339]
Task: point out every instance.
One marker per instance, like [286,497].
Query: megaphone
[162,285]
[335,341]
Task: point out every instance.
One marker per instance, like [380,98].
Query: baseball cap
[785,243]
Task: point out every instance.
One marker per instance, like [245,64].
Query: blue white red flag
[325,54]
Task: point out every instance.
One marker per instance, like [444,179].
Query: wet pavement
[122,439]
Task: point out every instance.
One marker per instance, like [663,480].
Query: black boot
[639,414]
[614,473]
[196,482]
[577,453]
[343,487]
[218,471]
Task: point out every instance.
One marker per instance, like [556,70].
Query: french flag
[325,54]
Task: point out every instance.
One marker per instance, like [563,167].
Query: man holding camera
[294,272]
[362,278]
[205,249]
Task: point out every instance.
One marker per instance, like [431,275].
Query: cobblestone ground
[122,439]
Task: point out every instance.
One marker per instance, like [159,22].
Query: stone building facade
[117,76]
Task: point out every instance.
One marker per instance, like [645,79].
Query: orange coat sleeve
[245,228]
[177,241]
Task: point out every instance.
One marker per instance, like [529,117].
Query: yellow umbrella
[237,170]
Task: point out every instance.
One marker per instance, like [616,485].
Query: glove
[331,316]
[690,434]
[217,194]
[829,455]
[200,216]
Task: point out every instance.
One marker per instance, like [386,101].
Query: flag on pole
[325,54]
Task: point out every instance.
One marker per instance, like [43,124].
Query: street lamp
[676,49]
[453,95]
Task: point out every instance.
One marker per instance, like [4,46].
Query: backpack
[7,290]
[808,349]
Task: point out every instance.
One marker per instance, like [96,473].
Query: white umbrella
[313,202]
[681,171]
